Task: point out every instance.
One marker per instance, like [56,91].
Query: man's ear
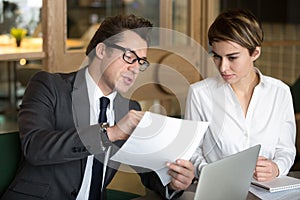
[100,50]
[256,53]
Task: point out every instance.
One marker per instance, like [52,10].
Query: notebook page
[279,184]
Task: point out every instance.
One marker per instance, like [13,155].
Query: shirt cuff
[281,167]
[170,194]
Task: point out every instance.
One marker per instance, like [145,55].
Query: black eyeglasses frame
[143,66]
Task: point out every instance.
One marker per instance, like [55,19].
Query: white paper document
[160,139]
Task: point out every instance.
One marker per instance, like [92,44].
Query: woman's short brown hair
[114,25]
[239,26]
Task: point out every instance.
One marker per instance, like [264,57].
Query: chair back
[10,158]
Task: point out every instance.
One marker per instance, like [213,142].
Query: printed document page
[159,139]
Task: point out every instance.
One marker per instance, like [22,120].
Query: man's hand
[182,173]
[265,169]
[123,129]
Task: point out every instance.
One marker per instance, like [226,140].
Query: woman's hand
[265,169]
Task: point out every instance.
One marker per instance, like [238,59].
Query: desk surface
[189,194]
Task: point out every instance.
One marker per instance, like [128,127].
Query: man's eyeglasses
[130,56]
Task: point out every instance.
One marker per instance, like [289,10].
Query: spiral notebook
[279,184]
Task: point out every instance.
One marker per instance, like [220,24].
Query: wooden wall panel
[58,59]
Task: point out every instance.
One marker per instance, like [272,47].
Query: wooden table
[31,48]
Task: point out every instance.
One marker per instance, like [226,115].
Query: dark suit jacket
[57,139]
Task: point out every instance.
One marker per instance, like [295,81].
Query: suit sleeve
[152,181]
[47,130]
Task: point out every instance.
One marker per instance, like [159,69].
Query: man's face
[118,74]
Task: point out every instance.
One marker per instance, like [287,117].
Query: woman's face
[234,62]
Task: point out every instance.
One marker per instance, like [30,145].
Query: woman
[244,107]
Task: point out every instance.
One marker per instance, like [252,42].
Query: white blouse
[269,121]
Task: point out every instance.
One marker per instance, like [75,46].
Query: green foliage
[18,33]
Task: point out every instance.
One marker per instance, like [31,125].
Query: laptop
[229,178]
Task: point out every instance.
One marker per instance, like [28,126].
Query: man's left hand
[182,173]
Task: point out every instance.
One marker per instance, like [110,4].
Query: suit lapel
[81,104]
[121,107]
[80,100]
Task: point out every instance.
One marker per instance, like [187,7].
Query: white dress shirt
[95,94]
[269,121]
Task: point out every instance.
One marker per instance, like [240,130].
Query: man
[61,136]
